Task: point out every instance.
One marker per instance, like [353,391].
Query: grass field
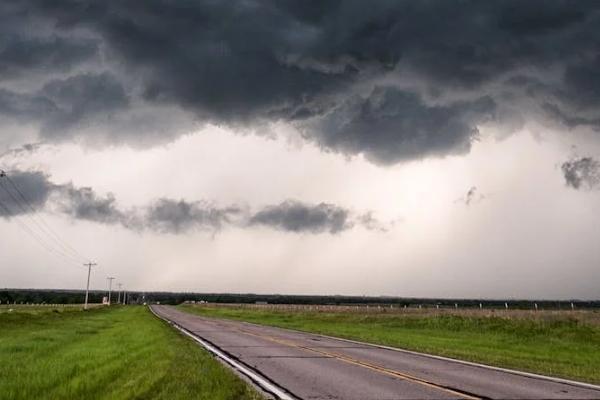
[117,353]
[565,344]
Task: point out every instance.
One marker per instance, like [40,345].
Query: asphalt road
[310,366]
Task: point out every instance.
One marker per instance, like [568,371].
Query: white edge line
[256,378]
[469,363]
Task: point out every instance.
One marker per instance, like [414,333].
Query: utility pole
[120,285]
[110,279]
[87,288]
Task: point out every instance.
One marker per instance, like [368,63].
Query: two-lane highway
[308,366]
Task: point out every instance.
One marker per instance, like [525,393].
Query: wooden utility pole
[87,288]
[120,285]
[110,279]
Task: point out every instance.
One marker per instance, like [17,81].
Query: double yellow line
[364,364]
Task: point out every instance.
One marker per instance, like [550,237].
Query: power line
[36,238]
[109,279]
[55,245]
[39,238]
[49,228]
[120,285]
[42,225]
[87,288]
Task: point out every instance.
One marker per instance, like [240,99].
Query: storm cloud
[21,56]
[393,81]
[65,104]
[392,125]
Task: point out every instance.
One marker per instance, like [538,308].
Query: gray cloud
[582,173]
[391,125]
[83,203]
[26,149]
[63,105]
[33,185]
[21,56]
[172,216]
[23,192]
[294,216]
[32,47]
[176,216]
[399,80]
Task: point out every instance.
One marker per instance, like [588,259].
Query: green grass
[117,353]
[561,346]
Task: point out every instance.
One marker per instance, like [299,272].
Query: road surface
[309,366]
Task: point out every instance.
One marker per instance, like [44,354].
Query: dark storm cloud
[172,216]
[582,173]
[65,104]
[294,216]
[393,80]
[392,125]
[30,46]
[21,56]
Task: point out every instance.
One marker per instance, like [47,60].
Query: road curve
[309,366]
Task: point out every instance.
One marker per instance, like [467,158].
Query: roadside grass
[560,346]
[116,353]
[41,309]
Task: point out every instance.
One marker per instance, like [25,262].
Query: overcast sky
[423,148]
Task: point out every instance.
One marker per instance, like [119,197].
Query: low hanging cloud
[394,82]
[172,216]
[84,204]
[23,192]
[179,216]
[294,216]
[582,173]
[32,184]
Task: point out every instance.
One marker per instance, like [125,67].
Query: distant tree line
[53,296]
[56,296]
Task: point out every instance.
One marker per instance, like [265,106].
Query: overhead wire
[35,224]
[44,226]
[55,244]
[36,238]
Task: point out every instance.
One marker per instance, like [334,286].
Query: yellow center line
[364,364]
